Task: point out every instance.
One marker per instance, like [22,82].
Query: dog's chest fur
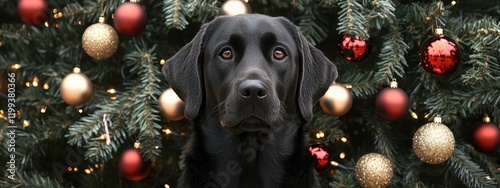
[251,159]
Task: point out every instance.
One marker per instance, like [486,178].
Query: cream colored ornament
[171,105]
[100,41]
[433,143]
[337,100]
[76,88]
[235,7]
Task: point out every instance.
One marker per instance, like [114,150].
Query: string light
[348,86]
[46,24]
[111,91]
[1,43]
[96,166]
[57,25]
[16,66]
[343,139]
[113,98]
[91,169]
[342,155]
[414,115]
[167,186]
[26,123]
[28,84]
[334,163]
[488,177]
[60,14]
[35,82]
[54,11]
[426,115]
[103,137]
[43,109]
[75,169]
[320,134]
[167,131]
[137,144]
[87,171]
[69,168]
[156,147]
[80,110]
[79,22]
[162,62]
[46,86]
[453,3]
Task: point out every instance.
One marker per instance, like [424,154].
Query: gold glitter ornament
[373,170]
[433,143]
[100,40]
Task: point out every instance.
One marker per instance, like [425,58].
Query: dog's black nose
[253,89]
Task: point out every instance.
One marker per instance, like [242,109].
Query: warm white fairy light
[320,134]
[334,163]
[16,66]
[43,109]
[46,86]
[342,155]
[414,115]
[343,139]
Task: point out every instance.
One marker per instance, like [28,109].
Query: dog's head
[249,71]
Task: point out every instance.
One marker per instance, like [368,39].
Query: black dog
[249,83]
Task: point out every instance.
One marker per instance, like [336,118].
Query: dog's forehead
[252,27]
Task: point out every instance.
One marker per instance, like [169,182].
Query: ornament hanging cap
[102,19]
[137,144]
[437,119]
[134,1]
[76,70]
[486,118]
[439,31]
[394,83]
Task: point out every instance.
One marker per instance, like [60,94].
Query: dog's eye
[279,54]
[226,53]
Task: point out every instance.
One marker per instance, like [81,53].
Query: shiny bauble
[130,19]
[486,137]
[171,105]
[373,170]
[33,12]
[433,143]
[337,100]
[132,166]
[76,89]
[321,156]
[100,41]
[440,55]
[354,48]
[235,7]
[392,103]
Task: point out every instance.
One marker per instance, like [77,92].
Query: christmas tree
[61,131]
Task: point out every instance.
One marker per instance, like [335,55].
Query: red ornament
[486,137]
[130,19]
[392,103]
[132,166]
[321,156]
[33,12]
[353,48]
[440,55]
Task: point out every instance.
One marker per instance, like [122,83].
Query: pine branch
[384,138]
[311,22]
[351,19]
[203,10]
[479,100]
[362,83]
[342,179]
[392,57]
[33,179]
[145,109]
[468,171]
[483,160]
[175,14]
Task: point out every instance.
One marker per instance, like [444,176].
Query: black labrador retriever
[249,83]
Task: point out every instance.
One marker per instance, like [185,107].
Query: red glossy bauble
[132,166]
[486,137]
[130,19]
[440,55]
[353,48]
[392,103]
[321,156]
[33,12]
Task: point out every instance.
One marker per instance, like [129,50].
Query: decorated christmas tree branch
[176,14]
[351,19]
[468,171]
[203,10]
[483,160]
[384,138]
[311,22]
[392,56]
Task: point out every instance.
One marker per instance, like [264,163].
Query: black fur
[239,139]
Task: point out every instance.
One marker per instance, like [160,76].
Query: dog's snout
[253,89]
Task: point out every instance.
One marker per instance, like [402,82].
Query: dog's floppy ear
[183,73]
[316,73]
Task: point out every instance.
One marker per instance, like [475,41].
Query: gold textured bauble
[433,143]
[76,89]
[100,41]
[373,170]
[337,100]
[171,105]
[235,7]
